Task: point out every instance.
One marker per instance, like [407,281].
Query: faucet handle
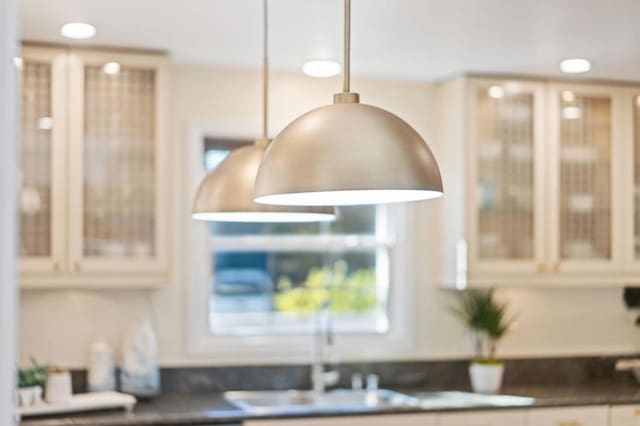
[331,377]
[627,364]
[372,382]
[356,381]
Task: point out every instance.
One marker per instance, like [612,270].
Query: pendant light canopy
[347,153]
[226,193]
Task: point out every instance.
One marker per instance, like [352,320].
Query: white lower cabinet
[375,420]
[483,418]
[624,415]
[573,416]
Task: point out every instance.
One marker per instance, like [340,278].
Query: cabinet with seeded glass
[42,125]
[113,181]
[542,183]
[506,138]
[587,147]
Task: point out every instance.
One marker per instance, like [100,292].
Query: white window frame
[400,336]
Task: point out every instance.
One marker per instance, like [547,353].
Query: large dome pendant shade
[226,193]
[347,153]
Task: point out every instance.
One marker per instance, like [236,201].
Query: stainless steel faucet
[324,352]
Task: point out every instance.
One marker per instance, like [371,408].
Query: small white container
[30,396]
[486,378]
[102,371]
[58,389]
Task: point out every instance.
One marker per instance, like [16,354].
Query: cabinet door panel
[583,416]
[42,145]
[636,179]
[483,418]
[119,189]
[119,163]
[585,177]
[624,415]
[374,420]
[506,216]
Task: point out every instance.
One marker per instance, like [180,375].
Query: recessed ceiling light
[575,65]
[321,68]
[78,30]
[111,68]
[496,92]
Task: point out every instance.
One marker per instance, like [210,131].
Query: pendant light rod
[346,82]
[265,70]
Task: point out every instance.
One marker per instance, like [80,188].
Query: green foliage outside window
[346,292]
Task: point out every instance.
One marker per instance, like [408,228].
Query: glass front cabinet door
[587,152]
[551,183]
[99,173]
[42,126]
[506,178]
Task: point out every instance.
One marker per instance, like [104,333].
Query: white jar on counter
[102,367]
[58,387]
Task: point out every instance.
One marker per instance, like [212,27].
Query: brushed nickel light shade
[347,153]
[226,194]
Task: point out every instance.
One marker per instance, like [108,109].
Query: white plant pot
[486,378]
[30,396]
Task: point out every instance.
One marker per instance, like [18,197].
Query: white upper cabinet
[42,125]
[542,178]
[586,154]
[507,204]
[105,160]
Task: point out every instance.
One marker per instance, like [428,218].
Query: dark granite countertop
[209,409]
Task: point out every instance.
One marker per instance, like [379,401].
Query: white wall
[58,326]
[8,160]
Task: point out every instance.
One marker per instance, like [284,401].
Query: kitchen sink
[268,402]
[347,400]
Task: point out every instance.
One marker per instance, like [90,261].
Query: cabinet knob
[556,268]
[56,266]
[77,266]
[540,267]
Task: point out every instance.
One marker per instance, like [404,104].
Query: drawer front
[484,418]
[374,420]
[624,415]
[582,416]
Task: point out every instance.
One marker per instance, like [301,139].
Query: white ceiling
[407,39]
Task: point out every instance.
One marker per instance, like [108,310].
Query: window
[253,289]
[271,278]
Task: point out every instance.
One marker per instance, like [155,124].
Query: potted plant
[486,319]
[30,383]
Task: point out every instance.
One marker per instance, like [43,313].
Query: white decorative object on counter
[58,388]
[486,378]
[101,367]
[82,402]
[139,372]
[29,396]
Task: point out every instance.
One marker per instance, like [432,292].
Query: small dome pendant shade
[347,153]
[226,194]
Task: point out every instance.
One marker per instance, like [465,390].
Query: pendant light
[226,193]
[347,153]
